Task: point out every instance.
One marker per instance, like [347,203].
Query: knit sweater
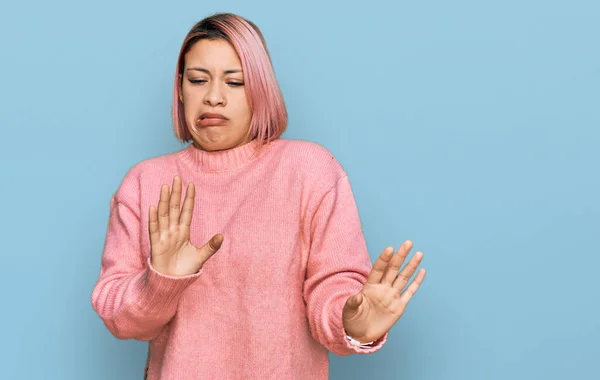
[268,304]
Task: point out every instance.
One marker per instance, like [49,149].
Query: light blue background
[470,127]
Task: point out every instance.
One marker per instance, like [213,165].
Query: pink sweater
[268,304]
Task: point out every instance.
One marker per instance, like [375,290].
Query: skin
[171,251]
[372,312]
[213,82]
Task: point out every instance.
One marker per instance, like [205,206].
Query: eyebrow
[202,69]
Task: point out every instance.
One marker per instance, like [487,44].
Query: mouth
[209,115]
[211,119]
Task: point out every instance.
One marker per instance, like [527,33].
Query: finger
[175,201]
[188,206]
[408,270]
[153,227]
[352,304]
[379,267]
[355,301]
[413,287]
[396,263]
[210,248]
[163,209]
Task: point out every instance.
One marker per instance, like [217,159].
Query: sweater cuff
[344,346]
[367,349]
[162,292]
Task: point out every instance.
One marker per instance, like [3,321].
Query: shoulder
[310,161]
[136,175]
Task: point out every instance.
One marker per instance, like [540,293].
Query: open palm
[171,251]
[371,313]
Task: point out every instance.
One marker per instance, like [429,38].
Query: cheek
[243,109]
[191,102]
[190,97]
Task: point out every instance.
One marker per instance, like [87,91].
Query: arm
[338,267]
[133,299]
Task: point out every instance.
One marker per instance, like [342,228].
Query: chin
[211,146]
[216,148]
[212,142]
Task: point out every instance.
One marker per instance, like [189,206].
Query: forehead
[213,55]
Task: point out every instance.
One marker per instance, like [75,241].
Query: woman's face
[214,99]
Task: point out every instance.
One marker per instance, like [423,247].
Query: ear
[180,88]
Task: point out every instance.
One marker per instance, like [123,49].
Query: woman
[282,273]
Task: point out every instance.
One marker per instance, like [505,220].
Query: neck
[220,160]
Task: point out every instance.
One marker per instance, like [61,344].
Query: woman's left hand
[369,314]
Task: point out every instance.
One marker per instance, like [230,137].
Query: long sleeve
[133,299]
[337,268]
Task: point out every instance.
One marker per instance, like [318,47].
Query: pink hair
[269,114]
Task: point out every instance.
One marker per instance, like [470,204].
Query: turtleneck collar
[222,160]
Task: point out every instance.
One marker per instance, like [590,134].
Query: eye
[235,84]
[197,80]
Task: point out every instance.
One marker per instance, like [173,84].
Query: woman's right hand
[172,252]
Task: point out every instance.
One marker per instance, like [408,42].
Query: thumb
[354,301]
[210,248]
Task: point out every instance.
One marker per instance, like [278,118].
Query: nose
[214,95]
